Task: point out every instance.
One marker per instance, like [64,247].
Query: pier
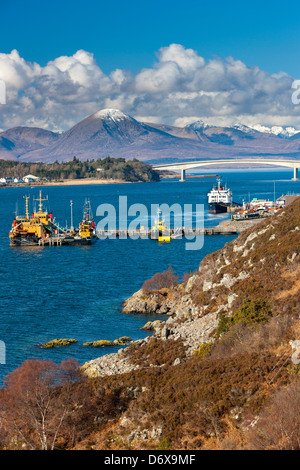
[51,241]
[174,233]
[226,227]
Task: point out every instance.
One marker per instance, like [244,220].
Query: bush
[156,352]
[278,427]
[164,280]
[165,444]
[203,350]
[252,312]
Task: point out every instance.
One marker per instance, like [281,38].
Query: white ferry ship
[219,198]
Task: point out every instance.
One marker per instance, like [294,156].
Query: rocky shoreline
[193,309]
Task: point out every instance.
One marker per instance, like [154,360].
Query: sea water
[77,292]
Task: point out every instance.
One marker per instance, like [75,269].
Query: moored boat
[160,230]
[86,233]
[28,230]
[219,198]
[40,228]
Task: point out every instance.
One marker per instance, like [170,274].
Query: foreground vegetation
[107,168]
[234,401]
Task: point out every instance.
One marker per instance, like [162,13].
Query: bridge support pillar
[296,174]
[183,178]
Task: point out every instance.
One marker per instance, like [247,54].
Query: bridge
[183,166]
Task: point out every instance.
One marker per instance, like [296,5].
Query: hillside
[109,132]
[18,141]
[217,374]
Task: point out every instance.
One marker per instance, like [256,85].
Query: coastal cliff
[213,374]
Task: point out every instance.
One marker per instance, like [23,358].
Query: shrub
[242,338]
[203,350]
[163,280]
[252,312]
[278,427]
[156,352]
[165,444]
[38,401]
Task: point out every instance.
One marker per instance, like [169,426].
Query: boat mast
[71,204]
[87,210]
[40,201]
[26,206]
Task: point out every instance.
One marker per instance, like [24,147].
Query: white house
[6,180]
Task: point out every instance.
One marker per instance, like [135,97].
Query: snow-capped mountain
[198,125]
[110,115]
[106,132]
[281,131]
[110,132]
[243,128]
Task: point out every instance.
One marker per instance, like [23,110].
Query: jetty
[174,233]
[226,227]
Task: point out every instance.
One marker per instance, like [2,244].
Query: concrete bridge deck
[183,166]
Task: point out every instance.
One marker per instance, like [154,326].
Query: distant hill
[16,142]
[110,132]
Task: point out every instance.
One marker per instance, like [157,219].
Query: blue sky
[159,61]
[126,34]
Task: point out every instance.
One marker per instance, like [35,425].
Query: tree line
[106,168]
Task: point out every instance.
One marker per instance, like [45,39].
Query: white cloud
[16,72]
[179,88]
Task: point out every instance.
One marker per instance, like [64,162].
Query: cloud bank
[180,87]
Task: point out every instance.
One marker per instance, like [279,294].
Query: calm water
[77,292]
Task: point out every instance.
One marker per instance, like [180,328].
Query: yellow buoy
[164,239]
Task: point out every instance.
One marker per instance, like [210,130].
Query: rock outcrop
[104,342]
[55,343]
[109,364]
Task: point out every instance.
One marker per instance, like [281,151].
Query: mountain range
[110,132]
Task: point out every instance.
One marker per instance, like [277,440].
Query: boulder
[103,342]
[122,340]
[152,325]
